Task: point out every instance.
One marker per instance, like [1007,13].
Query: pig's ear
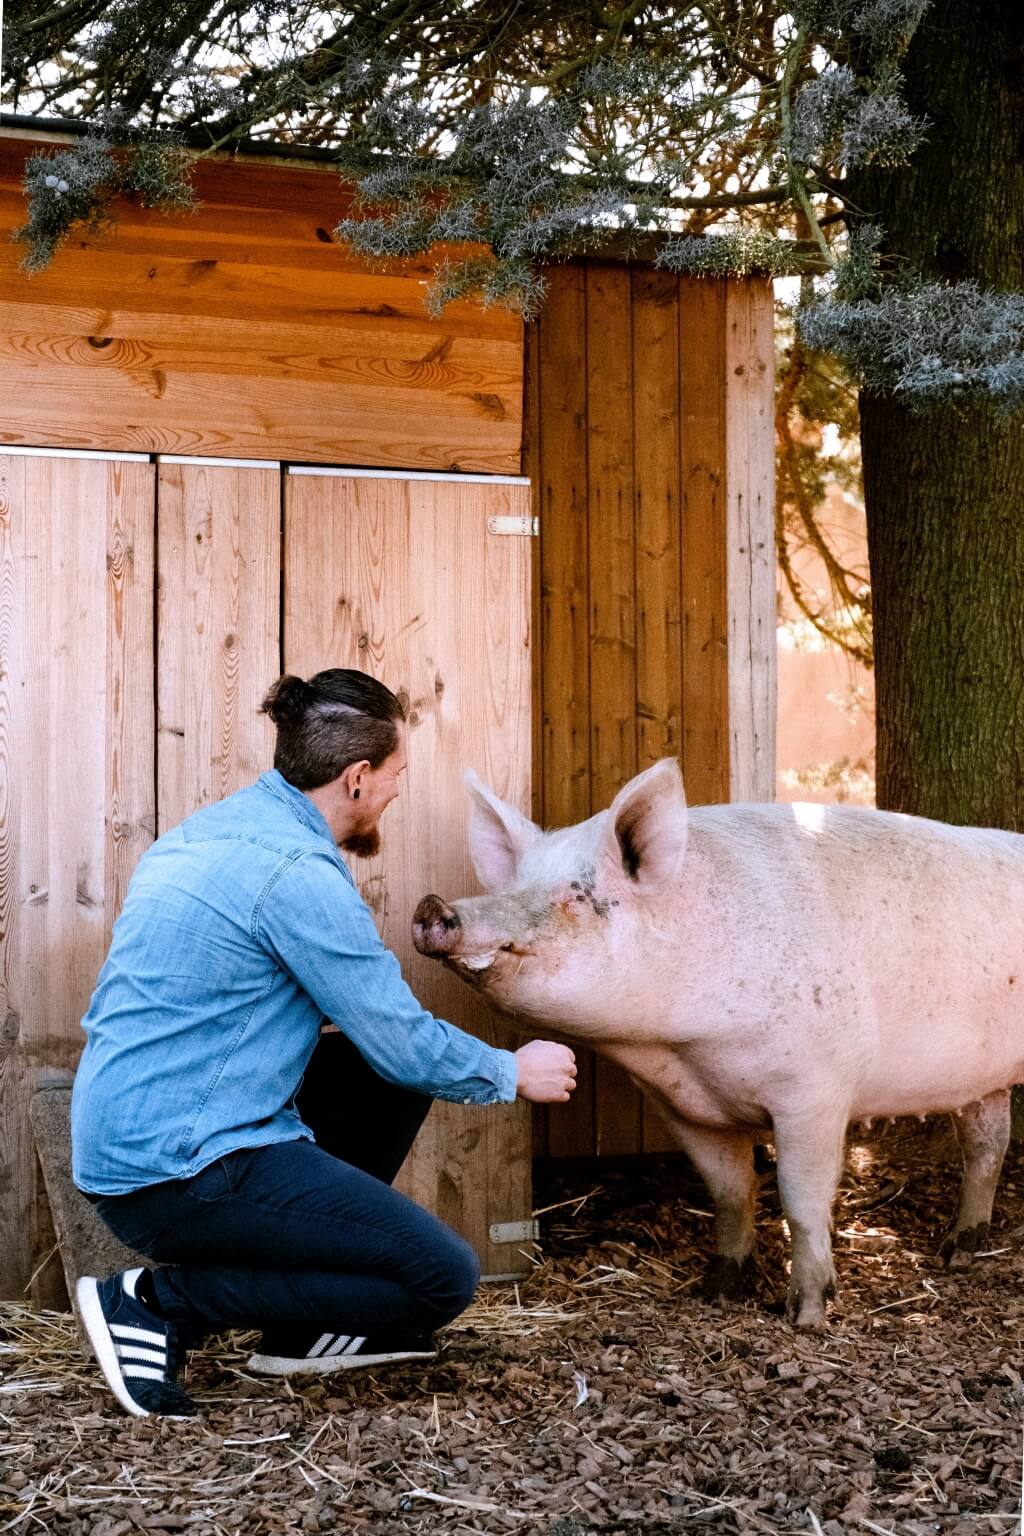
[499,835]
[645,839]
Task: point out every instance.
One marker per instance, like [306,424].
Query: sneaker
[282,1354]
[137,1351]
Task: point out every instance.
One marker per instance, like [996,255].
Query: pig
[762,971]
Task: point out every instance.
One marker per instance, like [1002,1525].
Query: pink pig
[763,970]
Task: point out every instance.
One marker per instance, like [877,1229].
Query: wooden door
[76,772]
[417,581]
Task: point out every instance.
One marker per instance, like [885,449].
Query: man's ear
[499,835]
[644,841]
[350,774]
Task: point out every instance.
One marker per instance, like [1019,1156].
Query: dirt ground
[600,1395]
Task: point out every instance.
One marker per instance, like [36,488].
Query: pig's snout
[436,927]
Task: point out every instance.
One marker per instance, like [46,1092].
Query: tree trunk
[945,503]
[944,488]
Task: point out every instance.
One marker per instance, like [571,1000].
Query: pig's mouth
[477,964]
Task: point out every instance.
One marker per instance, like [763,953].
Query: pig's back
[803,838]
[912,931]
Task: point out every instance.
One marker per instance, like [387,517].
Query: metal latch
[514,1231]
[527,526]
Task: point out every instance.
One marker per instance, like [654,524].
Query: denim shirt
[241,933]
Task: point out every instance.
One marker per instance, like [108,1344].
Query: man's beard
[365,845]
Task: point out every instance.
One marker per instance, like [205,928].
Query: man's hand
[547,1072]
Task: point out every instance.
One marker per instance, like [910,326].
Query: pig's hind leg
[983,1131]
[725,1161]
[809,1152]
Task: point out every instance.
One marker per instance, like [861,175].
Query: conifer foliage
[533,131]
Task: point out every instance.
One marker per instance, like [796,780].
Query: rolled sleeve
[321,932]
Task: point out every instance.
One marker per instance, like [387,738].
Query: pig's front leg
[809,1152]
[983,1131]
[725,1161]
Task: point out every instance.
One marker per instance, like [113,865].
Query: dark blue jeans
[297,1234]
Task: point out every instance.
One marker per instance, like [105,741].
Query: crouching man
[220,1132]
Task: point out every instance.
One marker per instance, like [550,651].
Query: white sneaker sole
[280,1365]
[87,1291]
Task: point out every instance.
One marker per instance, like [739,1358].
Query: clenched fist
[547,1072]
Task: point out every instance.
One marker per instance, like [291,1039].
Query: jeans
[302,1235]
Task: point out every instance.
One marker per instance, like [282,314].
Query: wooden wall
[244,330]
[649,441]
[77,808]
[119,717]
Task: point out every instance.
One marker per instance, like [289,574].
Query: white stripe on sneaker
[141,1335]
[340,1340]
[150,1372]
[355,1345]
[136,1352]
[320,1345]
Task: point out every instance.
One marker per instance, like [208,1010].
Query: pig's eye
[507,946]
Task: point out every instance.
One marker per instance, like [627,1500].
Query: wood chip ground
[600,1395]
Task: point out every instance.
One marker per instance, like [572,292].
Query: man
[265,1193]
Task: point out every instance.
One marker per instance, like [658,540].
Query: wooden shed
[227,449]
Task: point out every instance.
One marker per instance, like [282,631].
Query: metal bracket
[525,526]
[514,1231]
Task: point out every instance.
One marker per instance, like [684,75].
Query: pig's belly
[955,1062]
[725,1098]
[870,1069]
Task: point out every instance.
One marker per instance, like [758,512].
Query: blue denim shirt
[242,931]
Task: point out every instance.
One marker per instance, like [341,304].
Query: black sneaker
[284,1354]
[137,1351]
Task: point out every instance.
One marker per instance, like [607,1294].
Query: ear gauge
[355,794]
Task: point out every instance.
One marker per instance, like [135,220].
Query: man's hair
[336,718]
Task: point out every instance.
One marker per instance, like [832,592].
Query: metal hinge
[527,526]
[514,1231]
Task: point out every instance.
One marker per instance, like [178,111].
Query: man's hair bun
[288,700]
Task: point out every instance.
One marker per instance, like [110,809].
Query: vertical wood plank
[611,565]
[702,335]
[750,540]
[564,638]
[14,1129]
[656,433]
[218,630]
[76,562]
[533,453]
[610,481]
[403,580]
[656,429]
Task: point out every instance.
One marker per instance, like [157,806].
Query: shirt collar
[300,805]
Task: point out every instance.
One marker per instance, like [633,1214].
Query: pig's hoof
[960,1247]
[807,1310]
[729,1279]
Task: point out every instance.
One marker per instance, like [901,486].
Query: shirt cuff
[508,1076]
